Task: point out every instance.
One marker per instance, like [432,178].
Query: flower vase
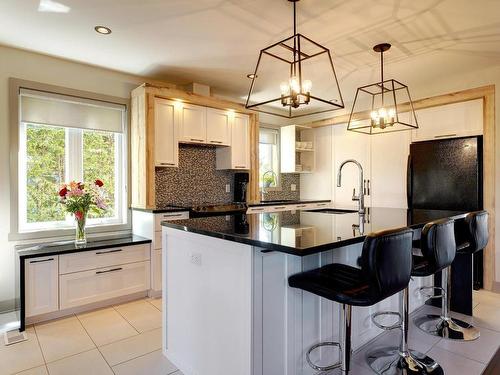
[80,235]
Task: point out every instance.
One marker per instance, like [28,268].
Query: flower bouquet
[80,199]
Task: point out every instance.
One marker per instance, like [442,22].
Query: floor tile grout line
[139,356]
[114,307]
[463,356]
[96,346]
[143,355]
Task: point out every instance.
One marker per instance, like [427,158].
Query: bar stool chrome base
[447,328]
[391,361]
[318,367]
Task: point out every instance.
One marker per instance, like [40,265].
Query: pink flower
[79,215]
[63,192]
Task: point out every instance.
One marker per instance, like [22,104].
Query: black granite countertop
[287,201]
[307,232]
[65,247]
[162,210]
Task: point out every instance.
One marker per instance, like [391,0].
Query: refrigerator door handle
[409,182]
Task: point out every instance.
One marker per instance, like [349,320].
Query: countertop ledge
[303,233]
[68,247]
[299,201]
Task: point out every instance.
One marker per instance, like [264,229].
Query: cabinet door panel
[349,145]
[389,155]
[218,127]
[448,121]
[240,142]
[165,124]
[193,121]
[41,285]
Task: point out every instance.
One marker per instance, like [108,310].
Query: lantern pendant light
[282,82]
[382,107]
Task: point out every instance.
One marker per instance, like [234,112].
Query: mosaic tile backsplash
[196,181]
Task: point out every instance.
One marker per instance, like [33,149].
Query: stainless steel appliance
[240,187]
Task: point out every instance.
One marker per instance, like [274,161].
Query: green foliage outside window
[45,149]
[45,169]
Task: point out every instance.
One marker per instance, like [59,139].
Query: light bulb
[284,88]
[294,84]
[374,115]
[382,113]
[307,85]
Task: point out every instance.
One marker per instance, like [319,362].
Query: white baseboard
[80,309]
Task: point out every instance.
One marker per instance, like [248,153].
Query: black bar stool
[437,251]
[386,263]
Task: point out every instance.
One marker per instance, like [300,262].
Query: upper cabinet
[166,129]
[238,155]
[448,121]
[297,149]
[193,123]
[219,127]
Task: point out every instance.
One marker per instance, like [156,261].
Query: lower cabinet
[81,288]
[41,285]
[60,282]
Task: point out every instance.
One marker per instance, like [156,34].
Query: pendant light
[294,77]
[382,107]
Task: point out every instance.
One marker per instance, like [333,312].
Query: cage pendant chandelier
[382,107]
[294,77]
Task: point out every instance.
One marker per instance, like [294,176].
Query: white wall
[30,66]
[422,88]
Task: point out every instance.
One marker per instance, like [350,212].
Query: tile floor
[126,340]
[121,340]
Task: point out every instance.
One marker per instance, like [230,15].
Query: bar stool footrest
[318,367]
[385,327]
[422,290]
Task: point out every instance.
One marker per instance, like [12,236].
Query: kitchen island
[227,305]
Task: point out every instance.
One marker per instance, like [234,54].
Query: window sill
[68,233]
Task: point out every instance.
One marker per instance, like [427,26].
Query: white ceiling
[216,42]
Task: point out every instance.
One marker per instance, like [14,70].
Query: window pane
[45,151]
[99,163]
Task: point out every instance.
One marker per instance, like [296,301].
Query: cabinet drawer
[89,260]
[81,288]
[41,285]
[169,216]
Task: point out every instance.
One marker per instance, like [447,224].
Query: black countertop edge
[281,248]
[161,210]
[55,248]
[298,201]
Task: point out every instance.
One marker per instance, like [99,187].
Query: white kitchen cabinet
[389,156]
[449,121]
[82,288]
[41,285]
[350,145]
[166,133]
[218,127]
[297,149]
[193,123]
[238,155]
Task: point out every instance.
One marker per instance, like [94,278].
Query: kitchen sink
[333,211]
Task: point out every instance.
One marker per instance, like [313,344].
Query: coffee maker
[240,187]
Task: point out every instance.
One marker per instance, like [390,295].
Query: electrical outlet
[196,258]
[293,187]
[228,188]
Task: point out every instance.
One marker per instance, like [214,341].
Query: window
[62,139]
[269,170]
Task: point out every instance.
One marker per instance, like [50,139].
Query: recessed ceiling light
[251,76]
[103,30]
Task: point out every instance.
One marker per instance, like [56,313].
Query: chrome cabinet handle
[364,187]
[216,142]
[279,207]
[302,206]
[240,166]
[367,187]
[445,135]
[257,209]
[196,140]
[166,163]
[42,260]
[111,270]
[174,215]
[108,252]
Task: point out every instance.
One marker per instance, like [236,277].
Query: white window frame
[73,172]
[109,228]
[278,186]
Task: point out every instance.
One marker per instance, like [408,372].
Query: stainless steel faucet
[361,195]
[264,191]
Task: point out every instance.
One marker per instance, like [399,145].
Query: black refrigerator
[447,174]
